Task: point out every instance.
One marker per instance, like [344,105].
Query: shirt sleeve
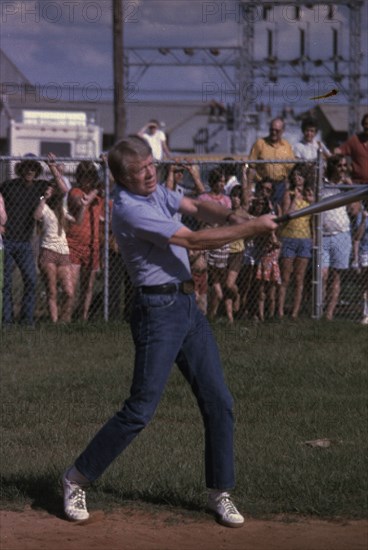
[147,224]
[254,152]
[290,150]
[227,201]
[345,148]
[324,148]
[297,151]
[171,198]
[45,212]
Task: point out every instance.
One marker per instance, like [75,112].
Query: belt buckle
[187,287]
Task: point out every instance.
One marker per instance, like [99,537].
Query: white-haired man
[167,326]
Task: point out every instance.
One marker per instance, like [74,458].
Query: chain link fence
[60,259]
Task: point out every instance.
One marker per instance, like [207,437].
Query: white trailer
[64,133]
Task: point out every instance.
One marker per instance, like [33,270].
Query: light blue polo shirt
[142,227]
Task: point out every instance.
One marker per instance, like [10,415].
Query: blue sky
[69,41]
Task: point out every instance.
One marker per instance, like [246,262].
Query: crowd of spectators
[253,279]
[53,228]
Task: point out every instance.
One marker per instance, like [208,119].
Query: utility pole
[355,55]
[119,104]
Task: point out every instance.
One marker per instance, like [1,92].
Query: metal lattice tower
[247,61]
[242,71]
[245,78]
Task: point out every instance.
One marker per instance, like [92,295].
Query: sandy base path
[141,530]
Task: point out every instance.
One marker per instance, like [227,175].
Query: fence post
[106,240]
[317,283]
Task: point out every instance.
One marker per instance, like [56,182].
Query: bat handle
[282,219]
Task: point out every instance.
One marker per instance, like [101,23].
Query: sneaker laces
[228,505]
[77,498]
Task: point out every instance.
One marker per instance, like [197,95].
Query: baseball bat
[329,203]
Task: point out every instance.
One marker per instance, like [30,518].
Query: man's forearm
[216,237]
[212,213]
[208,239]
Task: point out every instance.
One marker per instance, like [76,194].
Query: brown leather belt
[186,287]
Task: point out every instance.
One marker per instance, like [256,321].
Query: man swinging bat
[167,325]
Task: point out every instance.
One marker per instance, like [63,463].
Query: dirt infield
[142,530]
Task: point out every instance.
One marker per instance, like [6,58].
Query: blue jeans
[168,329]
[21,254]
[278,193]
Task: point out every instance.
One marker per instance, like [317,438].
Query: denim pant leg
[159,324]
[278,193]
[26,263]
[199,361]
[8,315]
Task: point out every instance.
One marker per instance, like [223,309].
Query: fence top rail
[183,161]
[46,159]
[239,162]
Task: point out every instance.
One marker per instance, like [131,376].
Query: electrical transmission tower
[243,71]
[345,71]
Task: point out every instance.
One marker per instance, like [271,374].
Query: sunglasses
[344,165]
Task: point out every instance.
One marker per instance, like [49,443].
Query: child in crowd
[266,251]
[198,266]
[236,255]
[54,259]
[296,236]
[217,258]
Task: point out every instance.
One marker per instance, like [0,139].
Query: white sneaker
[225,510]
[75,507]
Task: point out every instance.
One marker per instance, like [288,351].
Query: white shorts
[336,250]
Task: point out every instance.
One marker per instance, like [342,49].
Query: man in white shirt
[156,139]
[308,147]
[230,175]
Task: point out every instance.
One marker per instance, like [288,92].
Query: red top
[358,151]
[87,233]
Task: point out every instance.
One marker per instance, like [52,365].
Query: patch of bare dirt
[141,530]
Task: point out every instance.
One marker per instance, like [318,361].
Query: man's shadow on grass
[45,493]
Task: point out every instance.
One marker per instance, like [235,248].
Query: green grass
[291,383]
